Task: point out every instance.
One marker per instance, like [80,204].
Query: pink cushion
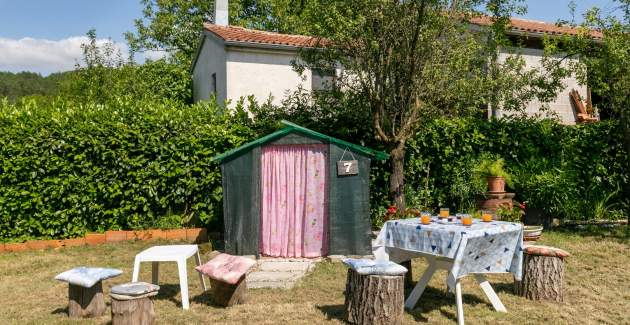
[545,251]
[226,268]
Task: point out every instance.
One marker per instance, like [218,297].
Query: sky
[45,35]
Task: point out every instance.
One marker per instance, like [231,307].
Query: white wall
[212,57]
[561,106]
[262,73]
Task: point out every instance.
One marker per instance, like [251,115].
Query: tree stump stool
[132,303]
[374,293]
[543,273]
[85,290]
[227,275]
[226,294]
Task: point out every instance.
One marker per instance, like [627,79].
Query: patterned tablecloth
[483,247]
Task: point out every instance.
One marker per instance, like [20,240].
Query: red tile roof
[538,27]
[240,34]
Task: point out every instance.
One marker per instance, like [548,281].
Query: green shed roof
[294,128]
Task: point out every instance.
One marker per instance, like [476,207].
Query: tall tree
[607,66]
[416,60]
[174,26]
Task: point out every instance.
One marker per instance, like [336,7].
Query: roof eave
[291,127]
[267,46]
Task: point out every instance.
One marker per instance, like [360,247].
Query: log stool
[374,292]
[85,290]
[227,275]
[132,303]
[543,273]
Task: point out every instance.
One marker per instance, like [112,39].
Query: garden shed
[297,193]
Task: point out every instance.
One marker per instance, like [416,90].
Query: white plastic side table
[170,253]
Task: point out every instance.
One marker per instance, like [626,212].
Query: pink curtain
[294,208]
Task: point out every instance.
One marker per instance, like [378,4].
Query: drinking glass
[425,217]
[467,219]
[444,212]
[486,216]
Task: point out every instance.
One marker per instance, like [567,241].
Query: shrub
[67,168]
[571,172]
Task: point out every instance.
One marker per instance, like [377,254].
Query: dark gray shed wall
[349,206]
[241,203]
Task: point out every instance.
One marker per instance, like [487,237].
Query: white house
[234,62]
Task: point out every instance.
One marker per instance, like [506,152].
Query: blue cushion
[372,267]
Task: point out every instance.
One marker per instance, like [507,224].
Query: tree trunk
[226,295]
[374,299]
[86,302]
[397,179]
[626,138]
[543,278]
[133,312]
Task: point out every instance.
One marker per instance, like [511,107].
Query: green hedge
[68,168]
[574,172]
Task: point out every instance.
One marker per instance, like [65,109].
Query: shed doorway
[294,207]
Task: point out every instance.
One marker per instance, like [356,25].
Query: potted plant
[493,170]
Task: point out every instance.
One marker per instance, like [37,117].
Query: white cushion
[87,276]
[372,267]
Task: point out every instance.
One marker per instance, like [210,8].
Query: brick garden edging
[195,235]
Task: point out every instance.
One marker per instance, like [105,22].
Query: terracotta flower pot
[36,244]
[115,236]
[175,233]
[95,239]
[15,247]
[156,234]
[496,184]
[197,235]
[71,242]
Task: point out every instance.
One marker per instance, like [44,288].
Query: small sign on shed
[347,167]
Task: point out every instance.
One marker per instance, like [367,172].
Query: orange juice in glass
[486,216]
[425,218]
[444,212]
[467,220]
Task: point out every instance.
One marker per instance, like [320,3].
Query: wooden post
[542,279]
[374,299]
[226,295]
[133,311]
[86,302]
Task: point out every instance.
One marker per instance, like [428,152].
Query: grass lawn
[597,290]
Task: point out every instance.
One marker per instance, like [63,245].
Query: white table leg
[422,284]
[183,281]
[492,296]
[458,300]
[203,281]
[136,270]
[155,270]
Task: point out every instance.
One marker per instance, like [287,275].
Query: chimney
[221,12]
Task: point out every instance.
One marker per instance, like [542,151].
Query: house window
[214,83]
[323,79]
